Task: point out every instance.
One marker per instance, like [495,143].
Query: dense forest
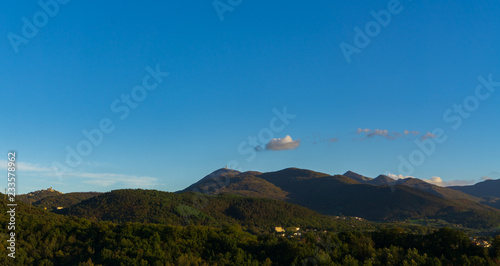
[46,238]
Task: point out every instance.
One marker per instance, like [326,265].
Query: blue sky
[225,78]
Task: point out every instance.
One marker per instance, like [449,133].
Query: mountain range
[378,199]
[310,194]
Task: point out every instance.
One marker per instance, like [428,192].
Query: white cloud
[286,143]
[366,130]
[438,181]
[393,176]
[435,180]
[381,132]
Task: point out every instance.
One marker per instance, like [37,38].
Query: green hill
[64,200]
[35,196]
[151,206]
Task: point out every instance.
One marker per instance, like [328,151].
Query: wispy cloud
[428,135]
[438,181]
[98,179]
[286,143]
[24,166]
[407,132]
[391,135]
[108,179]
[370,133]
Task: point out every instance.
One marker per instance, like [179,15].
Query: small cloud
[378,132]
[407,132]
[286,143]
[429,135]
[366,130]
[391,135]
[381,132]
[333,140]
[438,181]
[435,180]
[393,176]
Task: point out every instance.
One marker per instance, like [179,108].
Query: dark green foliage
[64,200]
[45,238]
[37,195]
[255,215]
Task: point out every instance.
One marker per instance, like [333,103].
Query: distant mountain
[487,188]
[445,192]
[381,180]
[219,177]
[357,177]
[353,195]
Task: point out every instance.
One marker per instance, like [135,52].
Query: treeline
[81,242]
[227,230]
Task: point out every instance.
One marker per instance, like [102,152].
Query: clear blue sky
[226,77]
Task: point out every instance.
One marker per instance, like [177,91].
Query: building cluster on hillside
[50,189]
[345,217]
[281,232]
[480,242]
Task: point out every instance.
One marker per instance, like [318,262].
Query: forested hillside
[51,239]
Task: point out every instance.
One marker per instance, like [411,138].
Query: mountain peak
[357,177]
[411,181]
[215,176]
[381,180]
[221,172]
